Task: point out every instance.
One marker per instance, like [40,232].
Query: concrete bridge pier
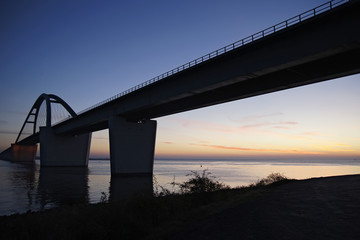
[24,153]
[132,146]
[63,151]
[20,153]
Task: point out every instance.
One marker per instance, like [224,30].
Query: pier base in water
[20,153]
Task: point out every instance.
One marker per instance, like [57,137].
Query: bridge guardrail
[266,32]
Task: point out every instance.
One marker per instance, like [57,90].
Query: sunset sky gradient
[88,51]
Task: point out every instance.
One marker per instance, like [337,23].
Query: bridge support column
[132,146]
[63,151]
[20,153]
[23,153]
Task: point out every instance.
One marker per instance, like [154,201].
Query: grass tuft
[271,179]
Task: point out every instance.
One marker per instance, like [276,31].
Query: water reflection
[31,187]
[125,186]
[27,187]
[26,175]
[63,186]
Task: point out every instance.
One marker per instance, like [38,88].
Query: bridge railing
[266,32]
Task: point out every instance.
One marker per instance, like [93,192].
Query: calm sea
[29,187]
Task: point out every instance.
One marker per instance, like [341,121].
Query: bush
[200,183]
[270,179]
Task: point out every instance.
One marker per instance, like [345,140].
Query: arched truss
[32,117]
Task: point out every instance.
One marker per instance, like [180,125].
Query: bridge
[318,45]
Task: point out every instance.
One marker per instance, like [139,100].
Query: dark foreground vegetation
[147,216]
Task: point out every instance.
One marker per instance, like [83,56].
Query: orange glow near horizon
[179,149]
[217,151]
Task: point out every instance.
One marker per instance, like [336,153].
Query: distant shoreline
[250,159]
[352,161]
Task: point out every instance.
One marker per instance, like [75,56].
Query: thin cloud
[308,136]
[280,127]
[168,142]
[8,132]
[227,147]
[337,147]
[206,126]
[3,122]
[343,145]
[289,123]
[16,112]
[253,118]
[253,149]
[254,125]
[269,124]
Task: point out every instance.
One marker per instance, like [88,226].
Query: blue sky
[88,51]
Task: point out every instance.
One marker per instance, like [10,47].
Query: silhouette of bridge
[318,45]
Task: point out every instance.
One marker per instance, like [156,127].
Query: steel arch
[34,111]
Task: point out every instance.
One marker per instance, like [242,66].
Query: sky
[88,51]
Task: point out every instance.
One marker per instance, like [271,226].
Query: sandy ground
[319,208]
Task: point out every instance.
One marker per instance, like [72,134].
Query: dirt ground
[319,208]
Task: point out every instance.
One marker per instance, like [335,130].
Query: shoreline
[38,187]
[330,204]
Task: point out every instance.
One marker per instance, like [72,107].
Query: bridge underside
[260,83]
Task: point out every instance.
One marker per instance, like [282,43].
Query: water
[29,187]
